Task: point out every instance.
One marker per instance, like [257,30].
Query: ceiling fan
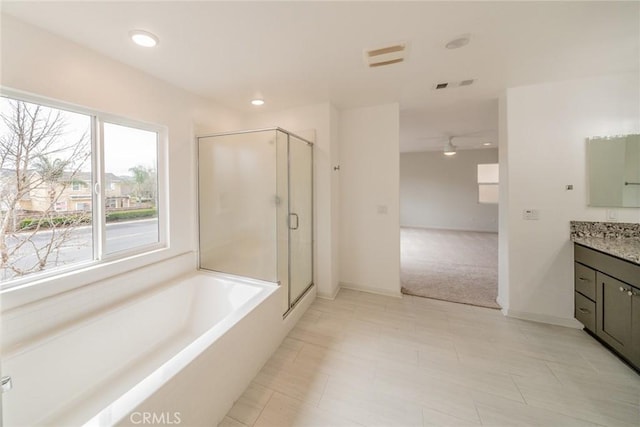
[450,148]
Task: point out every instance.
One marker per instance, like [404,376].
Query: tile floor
[371,360]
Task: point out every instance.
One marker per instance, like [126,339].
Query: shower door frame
[291,304]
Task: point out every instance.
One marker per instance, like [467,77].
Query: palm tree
[51,173]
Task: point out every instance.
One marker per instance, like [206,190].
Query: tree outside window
[47,201]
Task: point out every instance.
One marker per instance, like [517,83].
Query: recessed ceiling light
[143,38]
[458,42]
[486,144]
[257,101]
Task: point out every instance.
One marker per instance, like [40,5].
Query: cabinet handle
[583,310]
[582,279]
[622,289]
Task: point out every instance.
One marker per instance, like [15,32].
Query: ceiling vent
[449,85]
[385,55]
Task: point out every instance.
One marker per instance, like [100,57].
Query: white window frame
[488,183]
[98,119]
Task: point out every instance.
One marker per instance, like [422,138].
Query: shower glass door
[300,218]
[255,208]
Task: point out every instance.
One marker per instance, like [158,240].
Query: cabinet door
[613,307]
[635,327]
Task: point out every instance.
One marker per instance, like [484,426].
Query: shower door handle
[293,215]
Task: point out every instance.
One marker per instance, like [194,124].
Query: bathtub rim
[121,407]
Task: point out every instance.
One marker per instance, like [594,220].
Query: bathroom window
[76,188]
[130,164]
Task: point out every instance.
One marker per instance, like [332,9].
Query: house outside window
[55,216]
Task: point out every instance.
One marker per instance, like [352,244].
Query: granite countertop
[627,248]
[621,240]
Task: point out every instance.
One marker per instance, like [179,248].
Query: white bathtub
[180,353]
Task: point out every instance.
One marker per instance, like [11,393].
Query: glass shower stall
[255,205]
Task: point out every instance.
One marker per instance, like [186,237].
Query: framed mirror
[613,169]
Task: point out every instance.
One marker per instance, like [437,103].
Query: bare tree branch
[39,154]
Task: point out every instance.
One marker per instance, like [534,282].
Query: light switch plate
[531,214]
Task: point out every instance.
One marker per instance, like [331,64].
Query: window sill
[50,286]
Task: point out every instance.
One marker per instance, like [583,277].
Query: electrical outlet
[531,214]
[612,214]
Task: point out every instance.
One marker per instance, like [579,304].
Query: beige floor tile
[316,337]
[432,356]
[387,349]
[362,403]
[284,411]
[495,411]
[293,381]
[431,418]
[230,422]
[357,345]
[418,387]
[337,308]
[249,406]
[360,327]
[503,362]
[286,353]
[380,317]
[581,404]
[582,369]
[494,382]
[347,366]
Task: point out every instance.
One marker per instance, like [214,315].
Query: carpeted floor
[458,266]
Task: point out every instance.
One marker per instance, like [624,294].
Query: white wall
[438,191]
[369,184]
[545,149]
[43,64]
[319,120]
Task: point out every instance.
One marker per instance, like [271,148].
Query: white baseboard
[329,296]
[543,318]
[435,227]
[377,291]
[503,306]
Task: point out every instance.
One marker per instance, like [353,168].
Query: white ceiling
[300,53]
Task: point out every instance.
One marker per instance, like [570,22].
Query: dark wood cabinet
[607,300]
[613,312]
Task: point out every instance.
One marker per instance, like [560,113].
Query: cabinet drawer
[585,280]
[585,311]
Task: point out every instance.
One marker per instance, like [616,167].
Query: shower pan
[255,206]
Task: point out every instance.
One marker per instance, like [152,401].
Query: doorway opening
[449,225]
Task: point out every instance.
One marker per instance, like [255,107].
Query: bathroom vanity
[607,284]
